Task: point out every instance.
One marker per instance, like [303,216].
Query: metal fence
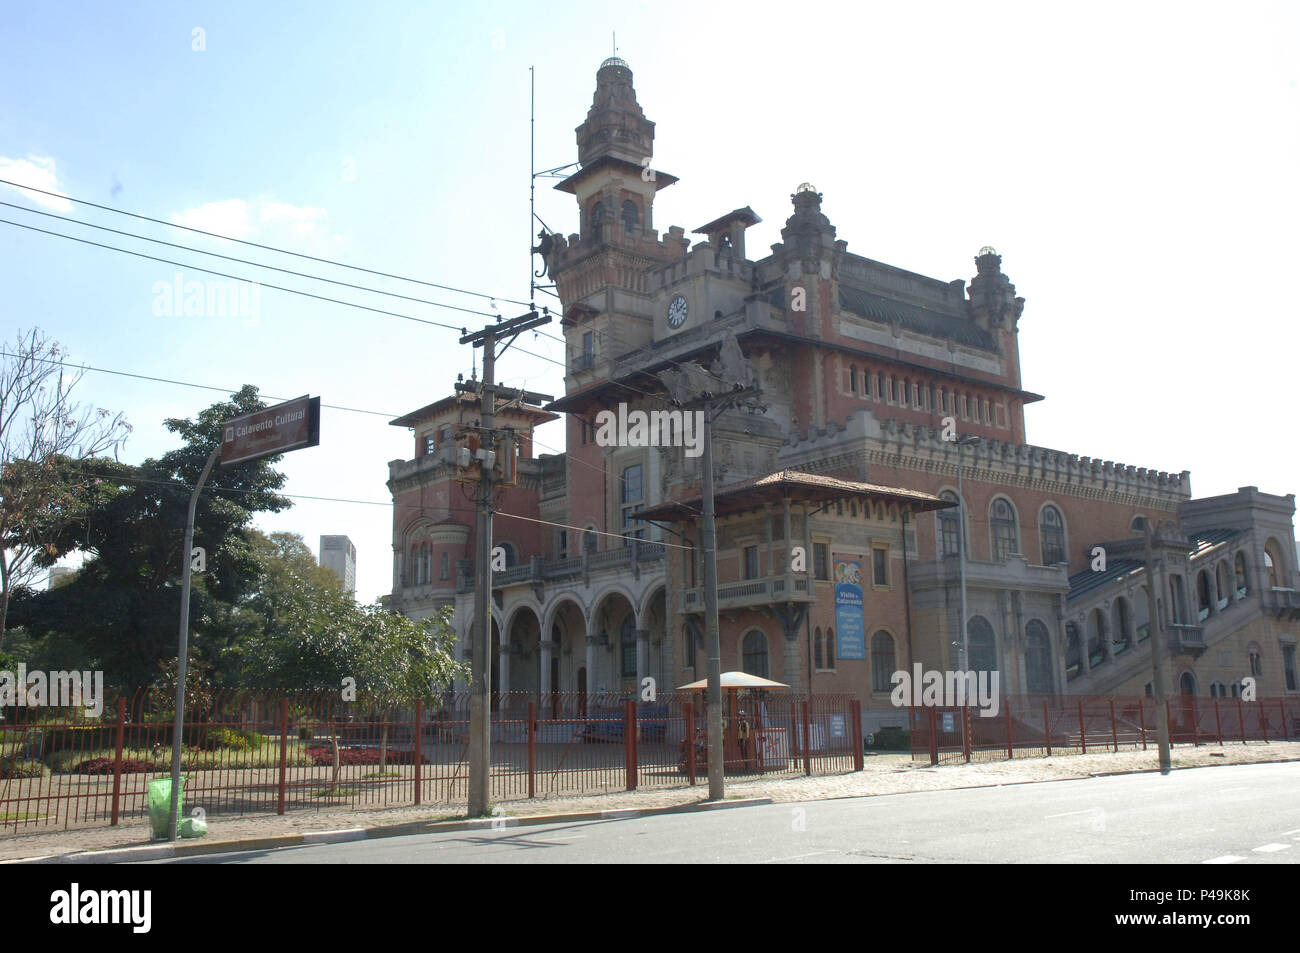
[1037,725]
[249,753]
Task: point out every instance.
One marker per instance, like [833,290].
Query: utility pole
[961,549]
[1157,638]
[480,697]
[731,382]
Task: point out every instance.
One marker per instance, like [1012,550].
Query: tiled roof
[1086,581]
[915,318]
[748,494]
[1207,539]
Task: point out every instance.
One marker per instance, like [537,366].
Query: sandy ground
[882,774]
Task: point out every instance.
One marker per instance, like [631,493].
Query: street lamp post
[961,549]
[1156,637]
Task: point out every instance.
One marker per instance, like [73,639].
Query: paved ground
[1243,814]
[886,774]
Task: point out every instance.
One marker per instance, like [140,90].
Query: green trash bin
[160,806]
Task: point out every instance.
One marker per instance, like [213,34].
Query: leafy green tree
[124,605]
[318,638]
[41,425]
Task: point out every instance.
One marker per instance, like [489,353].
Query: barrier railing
[1033,725]
[249,753]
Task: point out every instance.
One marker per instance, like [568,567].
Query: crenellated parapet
[899,443]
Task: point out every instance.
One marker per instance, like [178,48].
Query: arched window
[754,659]
[1038,658]
[853,378]
[1239,571]
[950,525]
[1073,652]
[1098,638]
[1142,615]
[1218,690]
[444,566]
[630,218]
[1138,524]
[1222,585]
[512,554]
[1274,565]
[817,649]
[983,646]
[413,571]
[1256,659]
[627,647]
[598,222]
[1051,530]
[1122,619]
[1187,684]
[882,661]
[589,539]
[1202,596]
[1002,524]
[830,648]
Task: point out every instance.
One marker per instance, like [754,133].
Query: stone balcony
[752,592]
[538,570]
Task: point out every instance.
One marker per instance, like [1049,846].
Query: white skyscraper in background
[338,554]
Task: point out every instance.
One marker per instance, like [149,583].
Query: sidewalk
[882,774]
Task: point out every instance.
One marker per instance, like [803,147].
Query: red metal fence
[247,753]
[1034,725]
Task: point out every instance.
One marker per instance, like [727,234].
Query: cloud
[271,221]
[38,172]
[229,218]
[300,220]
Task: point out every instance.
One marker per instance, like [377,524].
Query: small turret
[993,303]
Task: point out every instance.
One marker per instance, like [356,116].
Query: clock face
[677,312]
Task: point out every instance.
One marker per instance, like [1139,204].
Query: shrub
[324,756]
[15,768]
[105,766]
[892,739]
[233,738]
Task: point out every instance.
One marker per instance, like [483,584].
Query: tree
[124,604]
[317,637]
[40,427]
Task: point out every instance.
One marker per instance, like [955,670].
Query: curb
[148,852]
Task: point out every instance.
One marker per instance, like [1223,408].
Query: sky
[1135,166]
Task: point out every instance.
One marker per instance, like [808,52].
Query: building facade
[893,428]
[339,555]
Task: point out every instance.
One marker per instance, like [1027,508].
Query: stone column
[642,659]
[545,675]
[505,664]
[592,635]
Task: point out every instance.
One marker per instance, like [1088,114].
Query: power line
[242,261]
[222,274]
[164,380]
[180,485]
[282,251]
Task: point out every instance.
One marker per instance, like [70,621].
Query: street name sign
[265,433]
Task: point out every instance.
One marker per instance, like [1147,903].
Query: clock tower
[601,272]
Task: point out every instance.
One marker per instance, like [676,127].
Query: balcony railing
[543,569]
[751,592]
[1186,638]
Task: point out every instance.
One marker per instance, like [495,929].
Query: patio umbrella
[735,680]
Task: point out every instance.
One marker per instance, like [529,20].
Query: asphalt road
[1243,814]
